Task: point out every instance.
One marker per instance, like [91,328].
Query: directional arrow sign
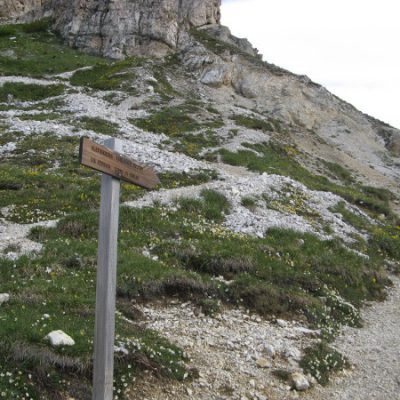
[115,164]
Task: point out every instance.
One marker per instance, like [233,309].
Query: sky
[352,47]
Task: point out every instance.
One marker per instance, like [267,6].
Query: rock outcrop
[219,59]
[30,9]
[123,28]
[120,28]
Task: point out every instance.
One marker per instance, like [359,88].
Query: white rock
[4,297]
[59,338]
[270,350]
[307,332]
[282,323]
[293,353]
[263,363]
[299,381]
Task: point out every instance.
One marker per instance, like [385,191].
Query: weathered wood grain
[114,163]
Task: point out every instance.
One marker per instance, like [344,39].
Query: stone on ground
[60,338]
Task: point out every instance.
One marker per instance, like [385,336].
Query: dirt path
[375,352]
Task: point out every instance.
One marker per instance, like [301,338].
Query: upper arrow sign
[112,163]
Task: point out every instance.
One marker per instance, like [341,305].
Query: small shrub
[249,202]
[213,264]
[386,242]
[210,307]
[321,361]
[215,205]
[76,228]
[74,262]
[184,287]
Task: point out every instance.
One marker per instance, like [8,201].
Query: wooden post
[115,166]
[106,284]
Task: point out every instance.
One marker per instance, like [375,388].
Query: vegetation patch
[162,252]
[98,125]
[339,172]
[321,361]
[35,51]
[48,297]
[40,117]
[249,202]
[188,136]
[257,124]
[28,92]
[358,221]
[294,202]
[105,76]
[171,180]
[43,180]
[274,158]
[172,121]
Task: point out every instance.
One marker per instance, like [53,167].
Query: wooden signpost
[111,162]
[115,166]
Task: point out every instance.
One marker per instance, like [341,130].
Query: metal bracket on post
[106,284]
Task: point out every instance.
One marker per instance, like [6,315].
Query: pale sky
[352,47]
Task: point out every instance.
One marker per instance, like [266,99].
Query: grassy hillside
[182,249]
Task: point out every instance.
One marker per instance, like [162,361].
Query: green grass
[98,125]
[118,75]
[277,159]
[67,296]
[249,202]
[40,117]
[29,92]
[213,205]
[42,180]
[188,136]
[172,121]
[271,276]
[38,52]
[163,87]
[339,172]
[257,124]
[358,221]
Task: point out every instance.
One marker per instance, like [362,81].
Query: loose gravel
[375,353]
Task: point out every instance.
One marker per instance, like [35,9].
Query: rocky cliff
[23,8]
[124,28]
[120,28]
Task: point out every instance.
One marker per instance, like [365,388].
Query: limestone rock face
[22,8]
[120,28]
[289,97]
